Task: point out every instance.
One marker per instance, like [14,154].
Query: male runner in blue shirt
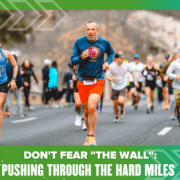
[89,52]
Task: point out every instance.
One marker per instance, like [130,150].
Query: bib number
[149,77]
[89,82]
[119,80]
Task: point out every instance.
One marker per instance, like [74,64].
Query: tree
[8,37]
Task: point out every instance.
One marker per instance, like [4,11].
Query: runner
[118,75]
[137,67]
[89,52]
[164,85]
[78,104]
[4,56]
[173,72]
[169,84]
[150,71]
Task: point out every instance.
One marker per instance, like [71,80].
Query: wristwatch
[14,78]
[80,57]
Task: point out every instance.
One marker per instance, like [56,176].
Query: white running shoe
[116,120]
[84,126]
[31,108]
[78,121]
[122,115]
[173,117]
[55,106]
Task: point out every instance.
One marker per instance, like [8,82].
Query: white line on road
[164,131]
[24,120]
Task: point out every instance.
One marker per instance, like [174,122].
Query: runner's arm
[34,77]
[134,76]
[71,69]
[110,53]
[108,75]
[11,59]
[170,70]
[76,56]
[164,70]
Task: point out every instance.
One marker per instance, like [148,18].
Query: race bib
[90,82]
[149,77]
[119,80]
[145,73]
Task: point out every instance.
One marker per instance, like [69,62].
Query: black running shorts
[4,87]
[139,89]
[75,86]
[151,84]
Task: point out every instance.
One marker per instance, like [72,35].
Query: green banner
[124,162]
[92,5]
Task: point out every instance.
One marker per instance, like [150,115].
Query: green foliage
[8,37]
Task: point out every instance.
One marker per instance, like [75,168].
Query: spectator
[17,93]
[52,84]
[45,72]
[69,93]
[26,73]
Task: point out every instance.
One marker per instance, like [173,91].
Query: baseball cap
[136,56]
[175,53]
[119,54]
[47,61]
[167,56]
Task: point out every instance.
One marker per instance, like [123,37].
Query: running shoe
[87,141]
[116,120]
[84,126]
[148,111]
[92,141]
[152,108]
[78,121]
[135,107]
[122,114]
[134,102]
[173,117]
[31,108]
[55,106]
[101,109]
[10,115]
[21,115]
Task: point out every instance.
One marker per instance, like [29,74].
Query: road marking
[24,120]
[164,131]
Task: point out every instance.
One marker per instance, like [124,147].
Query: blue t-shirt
[92,66]
[3,60]
[53,78]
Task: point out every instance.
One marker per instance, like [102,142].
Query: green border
[92,5]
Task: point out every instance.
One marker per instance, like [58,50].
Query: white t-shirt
[137,68]
[121,73]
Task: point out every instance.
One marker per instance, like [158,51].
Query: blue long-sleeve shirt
[92,66]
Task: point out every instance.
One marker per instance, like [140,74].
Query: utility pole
[107,83]
[107,24]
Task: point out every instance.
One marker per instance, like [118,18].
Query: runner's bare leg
[93,115]
[2,99]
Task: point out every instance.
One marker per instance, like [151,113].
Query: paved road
[47,126]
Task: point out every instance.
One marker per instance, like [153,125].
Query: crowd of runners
[86,81]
